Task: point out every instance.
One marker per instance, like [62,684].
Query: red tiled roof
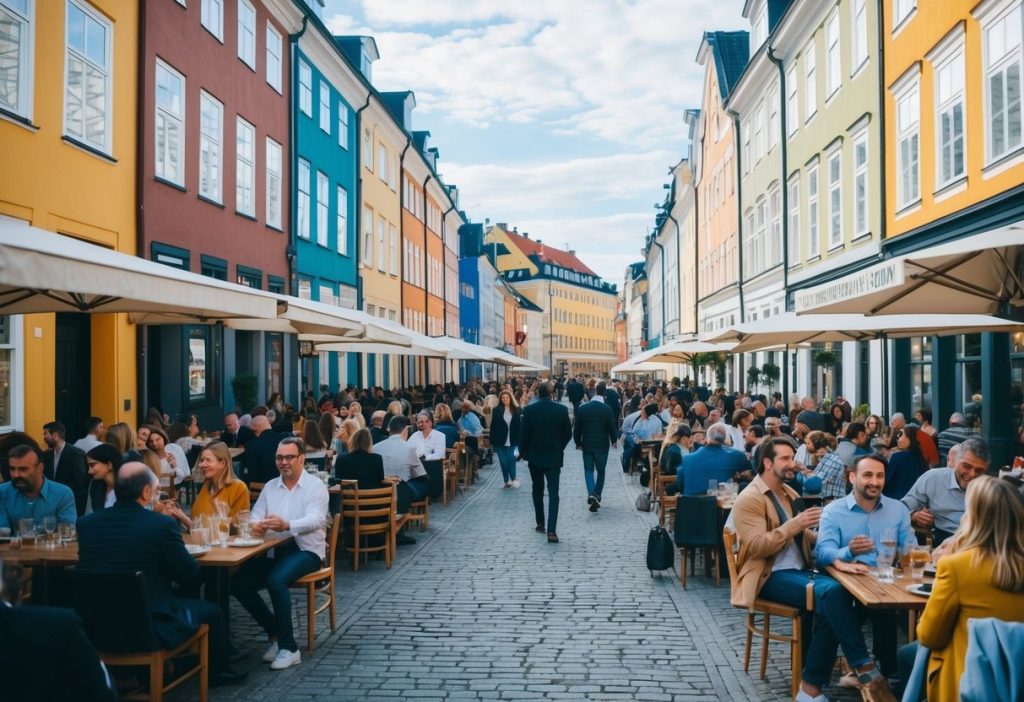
[549,253]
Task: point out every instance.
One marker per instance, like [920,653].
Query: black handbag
[661,552]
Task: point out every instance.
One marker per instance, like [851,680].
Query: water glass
[223,530]
[712,487]
[885,553]
[64,533]
[201,536]
[27,531]
[50,527]
[919,558]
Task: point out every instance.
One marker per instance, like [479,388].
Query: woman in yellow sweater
[982,577]
[219,485]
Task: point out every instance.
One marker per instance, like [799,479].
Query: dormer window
[759,27]
[365,64]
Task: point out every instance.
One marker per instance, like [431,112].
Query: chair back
[332,544]
[696,521]
[435,474]
[992,663]
[729,540]
[193,454]
[663,481]
[367,507]
[114,609]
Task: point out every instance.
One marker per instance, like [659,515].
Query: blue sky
[561,117]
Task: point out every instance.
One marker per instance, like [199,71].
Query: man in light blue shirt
[648,424]
[29,495]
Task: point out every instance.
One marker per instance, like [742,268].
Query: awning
[641,367]
[45,272]
[320,322]
[979,274]
[679,351]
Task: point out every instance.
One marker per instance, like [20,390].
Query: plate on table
[922,589]
[197,550]
[245,543]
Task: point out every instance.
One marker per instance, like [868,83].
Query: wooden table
[873,594]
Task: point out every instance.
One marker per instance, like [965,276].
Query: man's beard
[21,485]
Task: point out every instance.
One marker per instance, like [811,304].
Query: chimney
[515,230]
[526,235]
[572,252]
[539,241]
[501,225]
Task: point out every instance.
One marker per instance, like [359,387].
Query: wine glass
[223,530]
[49,526]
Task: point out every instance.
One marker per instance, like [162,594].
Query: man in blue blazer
[545,432]
[714,461]
[594,431]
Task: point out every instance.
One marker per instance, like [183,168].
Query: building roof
[638,270]
[565,259]
[732,51]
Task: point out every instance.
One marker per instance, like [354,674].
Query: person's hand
[861,544]
[845,567]
[276,523]
[809,518]
[922,518]
[259,528]
[170,460]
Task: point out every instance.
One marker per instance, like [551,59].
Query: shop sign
[871,280]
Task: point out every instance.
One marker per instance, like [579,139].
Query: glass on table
[64,533]
[712,487]
[50,527]
[27,530]
[244,523]
[223,530]
[919,558]
[885,551]
[201,536]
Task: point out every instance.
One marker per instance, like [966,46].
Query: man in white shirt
[428,444]
[93,434]
[294,504]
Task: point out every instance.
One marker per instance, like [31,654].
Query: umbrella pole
[885,376]
[785,375]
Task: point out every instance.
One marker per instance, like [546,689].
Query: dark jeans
[203,612]
[507,461]
[835,621]
[411,491]
[905,658]
[538,475]
[594,461]
[274,574]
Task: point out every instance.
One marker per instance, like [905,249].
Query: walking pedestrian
[546,430]
[506,425]
[594,431]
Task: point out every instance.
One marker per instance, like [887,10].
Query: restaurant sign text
[872,280]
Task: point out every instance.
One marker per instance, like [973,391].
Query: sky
[559,117]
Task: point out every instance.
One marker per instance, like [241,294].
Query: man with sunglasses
[293,504]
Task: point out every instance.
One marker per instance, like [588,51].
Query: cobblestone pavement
[482,607]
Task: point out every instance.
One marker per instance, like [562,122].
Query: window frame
[773,116]
[243,165]
[811,80]
[367,236]
[834,172]
[989,18]
[343,125]
[217,141]
[393,244]
[382,231]
[106,148]
[275,67]
[861,173]
[792,101]
[244,29]
[324,103]
[205,17]
[859,48]
[323,209]
[813,211]
[26,61]
[910,92]
[274,179]
[793,224]
[341,218]
[157,112]
[305,88]
[303,205]
[951,55]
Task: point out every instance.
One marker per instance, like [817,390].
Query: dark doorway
[72,370]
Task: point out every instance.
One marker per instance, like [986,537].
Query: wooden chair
[254,491]
[767,609]
[696,527]
[451,473]
[115,613]
[419,511]
[369,513]
[666,503]
[320,582]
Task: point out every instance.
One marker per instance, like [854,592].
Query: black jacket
[128,538]
[259,457]
[546,430]
[367,468]
[595,428]
[244,435]
[500,430]
[612,399]
[72,471]
[574,391]
[378,434]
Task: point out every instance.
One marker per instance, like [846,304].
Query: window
[393,234]
[305,89]
[343,125]
[303,205]
[211,15]
[949,108]
[746,147]
[760,32]
[273,183]
[245,168]
[759,135]
[792,102]
[794,220]
[907,145]
[211,140]
[342,221]
[1002,50]
[367,237]
[835,199]
[170,124]
[367,149]
[322,207]
[247,33]
[774,247]
[810,81]
[812,211]
[860,183]
[901,10]
[16,35]
[87,113]
[273,58]
[382,162]
[833,76]
[758,249]
[382,227]
[773,116]
[860,35]
[325,106]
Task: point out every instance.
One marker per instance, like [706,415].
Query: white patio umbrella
[679,351]
[316,321]
[641,367]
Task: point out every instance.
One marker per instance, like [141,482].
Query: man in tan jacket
[774,563]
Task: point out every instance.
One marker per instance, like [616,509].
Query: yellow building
[579,308]
[68,95]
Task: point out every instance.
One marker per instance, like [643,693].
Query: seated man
[377,431]
[401,462]
[295,503]
[128,537]
[936,501]
[775,540]
[29,495]
[469,422]
[258,458]
[712,461]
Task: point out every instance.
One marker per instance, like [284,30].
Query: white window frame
[393,239]
[859,30]
[22,106]
[367,149]
[323,208]
[382,161]
[792,101]
[1013,57]
[861,192]
[305,88]
[793,232]
[382,251]
[106,70]
[170,119]
[901,12]
[342,219]
[211,148]
[773,116]
[833,56]
[342,125]
[303,204]
[811,80]
[813,215]
[746,151]
[245,167]
[367,237]
[274,63]
[834,172]
[759,135]
[773,247]
[16,384]
[952,59]
[247,33]
[211,16]
[908,174]
[325,107]
[275,164]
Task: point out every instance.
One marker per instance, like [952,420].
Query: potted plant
[243,386]
[753,377]
[770,374]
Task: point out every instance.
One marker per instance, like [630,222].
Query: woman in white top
[741,421]
[172,458]
[428,444]
[505,426]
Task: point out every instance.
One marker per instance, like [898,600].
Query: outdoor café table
[876,595]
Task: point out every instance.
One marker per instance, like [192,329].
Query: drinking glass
[886,551]
[221,507]
[712,487]
[244,524]
[201,536]
[223,530]
[919,557]
[64,533]
[27,531]
[50,527]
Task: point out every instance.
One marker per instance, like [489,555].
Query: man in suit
[546,430]
[377,431]
[574,391]
[259,452]
[127,538]
[65,464]
[235,435]
[594,431]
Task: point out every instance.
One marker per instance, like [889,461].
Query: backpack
[643,501]
[661,551]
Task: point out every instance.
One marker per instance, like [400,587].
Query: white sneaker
[285,659]
[851,681]
[802,696]
[515,483]
[271,653]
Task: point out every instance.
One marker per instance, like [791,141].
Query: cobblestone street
[482,607]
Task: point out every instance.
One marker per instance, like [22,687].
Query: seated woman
[360,463]
[316,446]
[828,466]
[219,485]
[121,437]
[444,423]
[103,462]
[172,458]
[677,445]
[906,464]
[142,438]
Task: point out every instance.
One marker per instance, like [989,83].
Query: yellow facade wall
[57,186]
[912,44]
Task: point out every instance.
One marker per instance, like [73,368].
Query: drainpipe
[679,235]
[401,265]
[784,154]
[141,333]
[661,334]
[739,222]
[426,263]
[882,223]
[290,252]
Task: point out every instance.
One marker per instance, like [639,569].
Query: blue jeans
[538,475]
[507,461]
[274,574]
[594,461]
[835,620]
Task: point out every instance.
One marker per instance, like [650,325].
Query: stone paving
[482,607]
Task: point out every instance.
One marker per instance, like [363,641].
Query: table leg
[218,591]
[912,625]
